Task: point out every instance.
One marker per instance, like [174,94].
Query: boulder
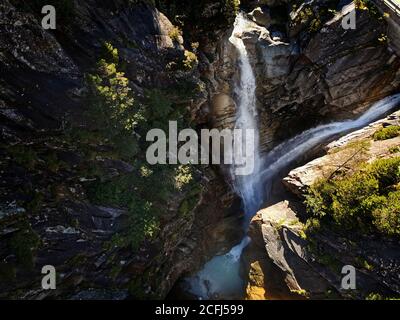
[277,257]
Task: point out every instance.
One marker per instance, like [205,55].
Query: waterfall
[287,152]
[220,277]
[248,186]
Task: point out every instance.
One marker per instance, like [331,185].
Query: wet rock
[260,16]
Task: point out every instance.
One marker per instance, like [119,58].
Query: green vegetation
[362,4]
[110,53]
[366,200]
[175,34]
[315,25]
[190,60]
[365,5]
[312,225]
[377,296]
[304,15]
[190,201]
[362,263]
[301,292]
[374,12]
[117,122]
[395,149]
[369,6]
[383,38]
[387,133]
[113,115]
[312,18]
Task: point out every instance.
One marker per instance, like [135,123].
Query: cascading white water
[220,277]
[248,186]
[285,153]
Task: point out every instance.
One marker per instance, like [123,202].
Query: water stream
[220,277]
[287,152]
[248,186]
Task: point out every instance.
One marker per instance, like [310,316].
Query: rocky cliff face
[46,217]
[285,261]
[309,69]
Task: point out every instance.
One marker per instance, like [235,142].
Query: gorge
[220,277]
[77,192]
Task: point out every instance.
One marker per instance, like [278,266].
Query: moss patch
[387,133]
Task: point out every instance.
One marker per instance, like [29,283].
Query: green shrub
[125,192]
[305,15]
[175,34]
[369,6]
[113,114]
[110,53]
[315,25]
[387,215]
[231,9]
[160,108]
[116,120]
[377,296]
[387,133]
[190,60]
[312,225]
[374,296]
[395,149]
[365,200]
